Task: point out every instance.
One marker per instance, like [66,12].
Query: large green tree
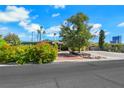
[12,39]
[75,32]
[101,39]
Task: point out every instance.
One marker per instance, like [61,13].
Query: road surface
[64,75]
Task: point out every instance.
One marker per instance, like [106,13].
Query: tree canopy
[12,39]
[75,32]
[101,39]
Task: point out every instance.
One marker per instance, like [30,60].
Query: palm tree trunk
[40,36]
[32,37]
[37,37]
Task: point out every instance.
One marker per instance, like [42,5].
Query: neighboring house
[94,48]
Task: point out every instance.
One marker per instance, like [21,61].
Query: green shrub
[2,57]
[107,47]
[113,47]
[2,42]
[45,53]
[11,53]
[22,55]
[7,54]
[40,53]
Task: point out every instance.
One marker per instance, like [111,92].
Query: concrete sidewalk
[105,56]
[112,55]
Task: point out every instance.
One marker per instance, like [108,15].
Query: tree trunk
[79,50]
[32,37]
[37,37]
[40,36]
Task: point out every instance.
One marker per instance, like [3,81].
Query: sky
[23,20]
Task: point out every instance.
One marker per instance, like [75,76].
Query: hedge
[39,53]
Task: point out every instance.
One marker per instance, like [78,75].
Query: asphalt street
[109,74]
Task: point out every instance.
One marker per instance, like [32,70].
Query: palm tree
[54,36]
[44,32]
[32,36]
[39,32]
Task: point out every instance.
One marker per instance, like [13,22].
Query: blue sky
[22,20]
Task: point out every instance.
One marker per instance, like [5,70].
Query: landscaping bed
[66,56]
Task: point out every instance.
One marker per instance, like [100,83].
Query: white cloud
[53,29]
[20,15]
[65,23]
[14,14]
[121,24]
[31,27]
[4,30]
[95,33]
[25,36]
[52,35]
[36,16]
[59,6]
[107,33]
[95,29]
[56,14]
[22,35]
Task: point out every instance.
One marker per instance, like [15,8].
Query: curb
[88,61]
[78,61]
[7,65]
